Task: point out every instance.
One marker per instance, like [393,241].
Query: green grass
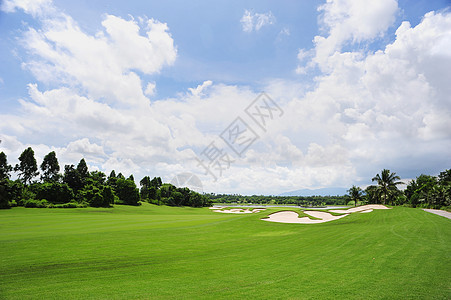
[152,252]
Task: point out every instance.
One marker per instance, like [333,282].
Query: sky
[252,97]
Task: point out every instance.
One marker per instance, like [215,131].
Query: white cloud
[255,21]
[85,147]
[383,107]
[365,112]
[352,21]
[285,31]
[103,65]
[198,91]
[302,57]
[150,89]
[33,7]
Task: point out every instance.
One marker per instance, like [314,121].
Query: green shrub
[102,196]
[54,192]
[127,192]
[69,205]
[35,203]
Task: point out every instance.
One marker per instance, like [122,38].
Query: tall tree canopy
[5,168]
[355,193]
[82,169]
[50,168]
[27,168]
[145,187]
[127,191]
[72,178]
[387,184]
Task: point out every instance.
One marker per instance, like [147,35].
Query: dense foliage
[306,201]
[425,191]
[78,187]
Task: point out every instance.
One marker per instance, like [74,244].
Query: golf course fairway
[152,252]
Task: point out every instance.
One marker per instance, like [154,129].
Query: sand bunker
[293,217]
[359,209]
[237,210]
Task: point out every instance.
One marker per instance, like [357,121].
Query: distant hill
[317,192]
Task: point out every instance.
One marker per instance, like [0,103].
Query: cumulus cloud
[351,21]
[33,7]
[150,89]
[385,107]
[105,65]
[365,111]
[255,21]
[200,88]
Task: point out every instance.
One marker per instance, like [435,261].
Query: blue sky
[144,87]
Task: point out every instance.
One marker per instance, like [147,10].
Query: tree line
[425,191]
[78,187]
[305,201]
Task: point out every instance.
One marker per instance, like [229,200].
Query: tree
[111,181]
[387,184]
[145,187]
[5,169]
[72,178]
[83,172]
[444,178]
[131,177]
[102,196]
[425,185]
[54,192]
[27,168]
[156,182]
[355,193]
[127,192]
[372,194]
[4,195]
[97,178]
[50,168]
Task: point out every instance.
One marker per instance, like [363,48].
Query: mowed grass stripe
[161,252]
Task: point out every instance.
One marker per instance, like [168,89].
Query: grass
[152,252]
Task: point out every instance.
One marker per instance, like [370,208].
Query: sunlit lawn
[162,252]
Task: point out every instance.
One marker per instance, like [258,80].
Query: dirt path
[439,212]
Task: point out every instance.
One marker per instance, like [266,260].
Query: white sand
[293,217]
[359,208]
[239,210]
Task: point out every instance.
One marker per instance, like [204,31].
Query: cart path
[439,212]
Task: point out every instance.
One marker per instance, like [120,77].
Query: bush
[97,197]
[35,203]
[127,192]
[70,205]
[54,192]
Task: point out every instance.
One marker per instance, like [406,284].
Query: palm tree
[355,193]
[387,183]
